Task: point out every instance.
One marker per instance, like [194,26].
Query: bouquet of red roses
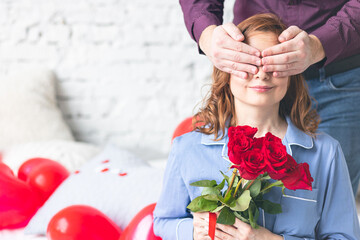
[258,165]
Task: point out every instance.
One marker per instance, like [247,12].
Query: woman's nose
[261,74]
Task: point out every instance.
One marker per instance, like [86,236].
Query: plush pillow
[70,154]
[115,182]
[28,110]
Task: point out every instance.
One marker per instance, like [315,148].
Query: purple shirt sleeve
[200,14]
[340,36]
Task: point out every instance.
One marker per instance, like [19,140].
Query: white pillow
[28,110]
[70,154]
[115,182]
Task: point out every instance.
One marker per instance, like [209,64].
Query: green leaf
[242,203]
[210,191]
[270,207]
[204,183]
[251,218]
[255,188]
[228,200]
[226,177]
[200,204]
[211,197]
[238,215]
[218,208]
[256,215]
[221,185]
[226,217]
[236,180]
[265,177]
[274,184]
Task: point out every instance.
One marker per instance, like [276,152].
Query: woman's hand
[225,49]
[295,53]
[243,231]
[201,226]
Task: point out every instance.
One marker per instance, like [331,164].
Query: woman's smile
[261,88]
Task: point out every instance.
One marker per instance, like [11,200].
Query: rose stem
[237,187]
[231,182]
[250,185]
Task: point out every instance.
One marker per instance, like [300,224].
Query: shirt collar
[210,139]
[293,136]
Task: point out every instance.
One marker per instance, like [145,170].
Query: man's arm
[340,36]
[199,14]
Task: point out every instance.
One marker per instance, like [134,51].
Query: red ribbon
[212,225]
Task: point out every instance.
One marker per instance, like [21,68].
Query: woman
[281,106]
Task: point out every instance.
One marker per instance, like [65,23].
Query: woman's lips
[261,88]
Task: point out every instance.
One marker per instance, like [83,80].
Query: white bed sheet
[18,234]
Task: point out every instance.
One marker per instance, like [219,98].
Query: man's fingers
[283,58]
[237,57]
[233,31]
[244,48]
[289,33]
[286,73]
[284,47]
[225,41]
[281,67]
[239,74]
[241,67]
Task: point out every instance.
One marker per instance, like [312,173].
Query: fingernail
[257,54]
[258,62]
[275,74]
[238,37]
[244,75]
[253,70]
[263,61]
[264,68]
[281,39]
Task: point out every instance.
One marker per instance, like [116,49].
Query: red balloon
[184,127]
[141,226]
[18,201]
[46,177]
[79,222]
[5,170]
[27,167]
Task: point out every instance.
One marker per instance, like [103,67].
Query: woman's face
[261,89]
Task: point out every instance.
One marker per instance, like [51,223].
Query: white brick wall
[128,70]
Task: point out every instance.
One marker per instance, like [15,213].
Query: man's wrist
[205,39]
[317,49]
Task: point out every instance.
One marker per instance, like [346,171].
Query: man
[323,40]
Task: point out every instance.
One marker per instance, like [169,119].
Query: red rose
[240,141]
[278,161]
[298,178]
[241,130]
[252,164]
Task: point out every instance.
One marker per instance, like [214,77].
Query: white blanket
[18,234]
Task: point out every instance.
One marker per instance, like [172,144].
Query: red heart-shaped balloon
[43,175]
[18,201]
[79,222]
[141,226]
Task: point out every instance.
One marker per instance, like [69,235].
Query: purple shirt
[335,22]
